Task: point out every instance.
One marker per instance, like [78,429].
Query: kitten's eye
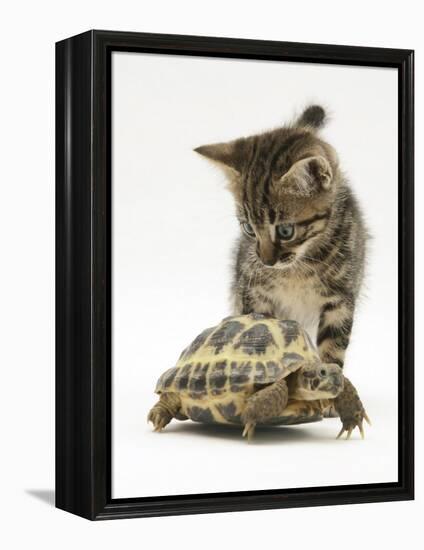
[248,229]
[285,231]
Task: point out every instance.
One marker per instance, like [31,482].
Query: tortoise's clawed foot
[351,410]
[349,424]
[159,418]
[249,419]
[249,430]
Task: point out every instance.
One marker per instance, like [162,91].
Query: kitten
[303,241]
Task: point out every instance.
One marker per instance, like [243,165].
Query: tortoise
[255,370]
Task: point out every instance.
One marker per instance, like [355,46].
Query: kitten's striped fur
[291,176]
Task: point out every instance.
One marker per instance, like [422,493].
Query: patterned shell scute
[239,353]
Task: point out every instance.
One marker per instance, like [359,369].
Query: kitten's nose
[267,253]
[268,261]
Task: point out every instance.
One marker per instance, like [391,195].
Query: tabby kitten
[302,246]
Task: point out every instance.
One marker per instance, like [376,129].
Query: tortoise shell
[227,363]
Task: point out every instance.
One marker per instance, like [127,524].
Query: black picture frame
[83,274]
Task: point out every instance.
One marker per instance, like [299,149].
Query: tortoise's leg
[264,405]
[351,411]
[164,411]
[328,409]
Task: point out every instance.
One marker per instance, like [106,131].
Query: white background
[173,231]
[27,230]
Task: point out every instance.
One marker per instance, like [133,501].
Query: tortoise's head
[319,381]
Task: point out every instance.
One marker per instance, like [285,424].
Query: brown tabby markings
[290,176]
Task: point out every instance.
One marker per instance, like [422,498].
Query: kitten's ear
[308,177]
[313,116]
[229,154]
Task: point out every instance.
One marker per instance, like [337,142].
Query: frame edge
[74,416]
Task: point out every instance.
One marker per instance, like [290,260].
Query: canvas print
[254,263]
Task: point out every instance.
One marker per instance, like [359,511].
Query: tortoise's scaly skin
[226,364]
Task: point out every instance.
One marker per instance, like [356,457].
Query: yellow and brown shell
[227,363]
